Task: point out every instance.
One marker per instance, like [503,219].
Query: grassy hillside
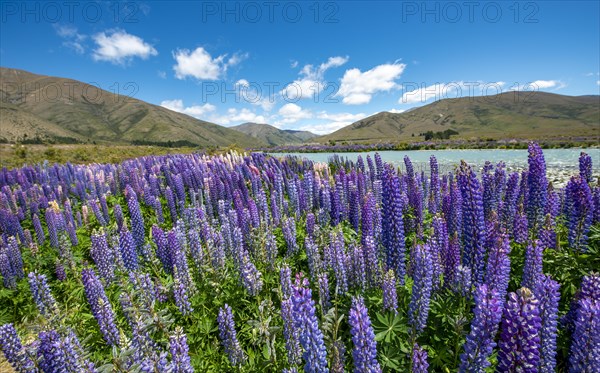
[509,115]
[274,136]
[67,110]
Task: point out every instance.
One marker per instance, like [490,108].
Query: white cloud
[311,80]
[201,65]
[324,128]
[539,85]
[438,91]
[72,38]
[294,64]
[119,47]
[162,74]
[235,116]
[341,117]
[598,82]
[397,111]
[196,111]
[359,87]
[291,113]
[242,83]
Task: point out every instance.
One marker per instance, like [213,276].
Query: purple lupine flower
[118,212]
[580,204]
[392,224]
[419,360]
[128,251]
[101,308]
[473,222]
[180,293]
[497,271]
[310,224]
[452,207]
[464,280]
[358,275]
[371,261]
[59,270]
[585,167]
[596,198]
[434,190]
[311,337]
[390,295]
[8,275]
[51,222]
[547,292]
[364,353]
[13,253]
[585,341]
[414,194]
[11,346]
[451,261]
[171,204]
[137,220]
[179,349]
[339,261]
[509,206]
[354,207]
[52,358]
[228,336]
[250,277]
[532,269]
[520,230]
[439,249]
[285,278]
[97,213]
[162,250]
[547,234]
[289,234]
[103,256]
[39,230]
[537,185]
[324,296]
[519,345]
[480,340]
[418,309]
[290,332]
[313,256]
[489,189]
[42,295]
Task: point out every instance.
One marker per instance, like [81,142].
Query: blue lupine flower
[519,345]
[101,308]
[390,295]
[547,292]
[418,309]
[537,185]
[480,340]
[579,204]
[228,336]
[42,295]
[419,360]
[180,352]
[128,250]
[364,353]
[585,167]
[473,222]
[311,337]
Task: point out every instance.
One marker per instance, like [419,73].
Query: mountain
[507,115]
[273,136]
[65,110]
[302,135]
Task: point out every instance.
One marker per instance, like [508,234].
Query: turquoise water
[557,160]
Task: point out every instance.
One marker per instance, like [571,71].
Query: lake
[560,163]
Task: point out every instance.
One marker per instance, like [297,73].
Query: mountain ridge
[80,112]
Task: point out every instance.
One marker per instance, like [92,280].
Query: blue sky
[306,65]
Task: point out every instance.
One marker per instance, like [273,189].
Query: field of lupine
[250,263]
